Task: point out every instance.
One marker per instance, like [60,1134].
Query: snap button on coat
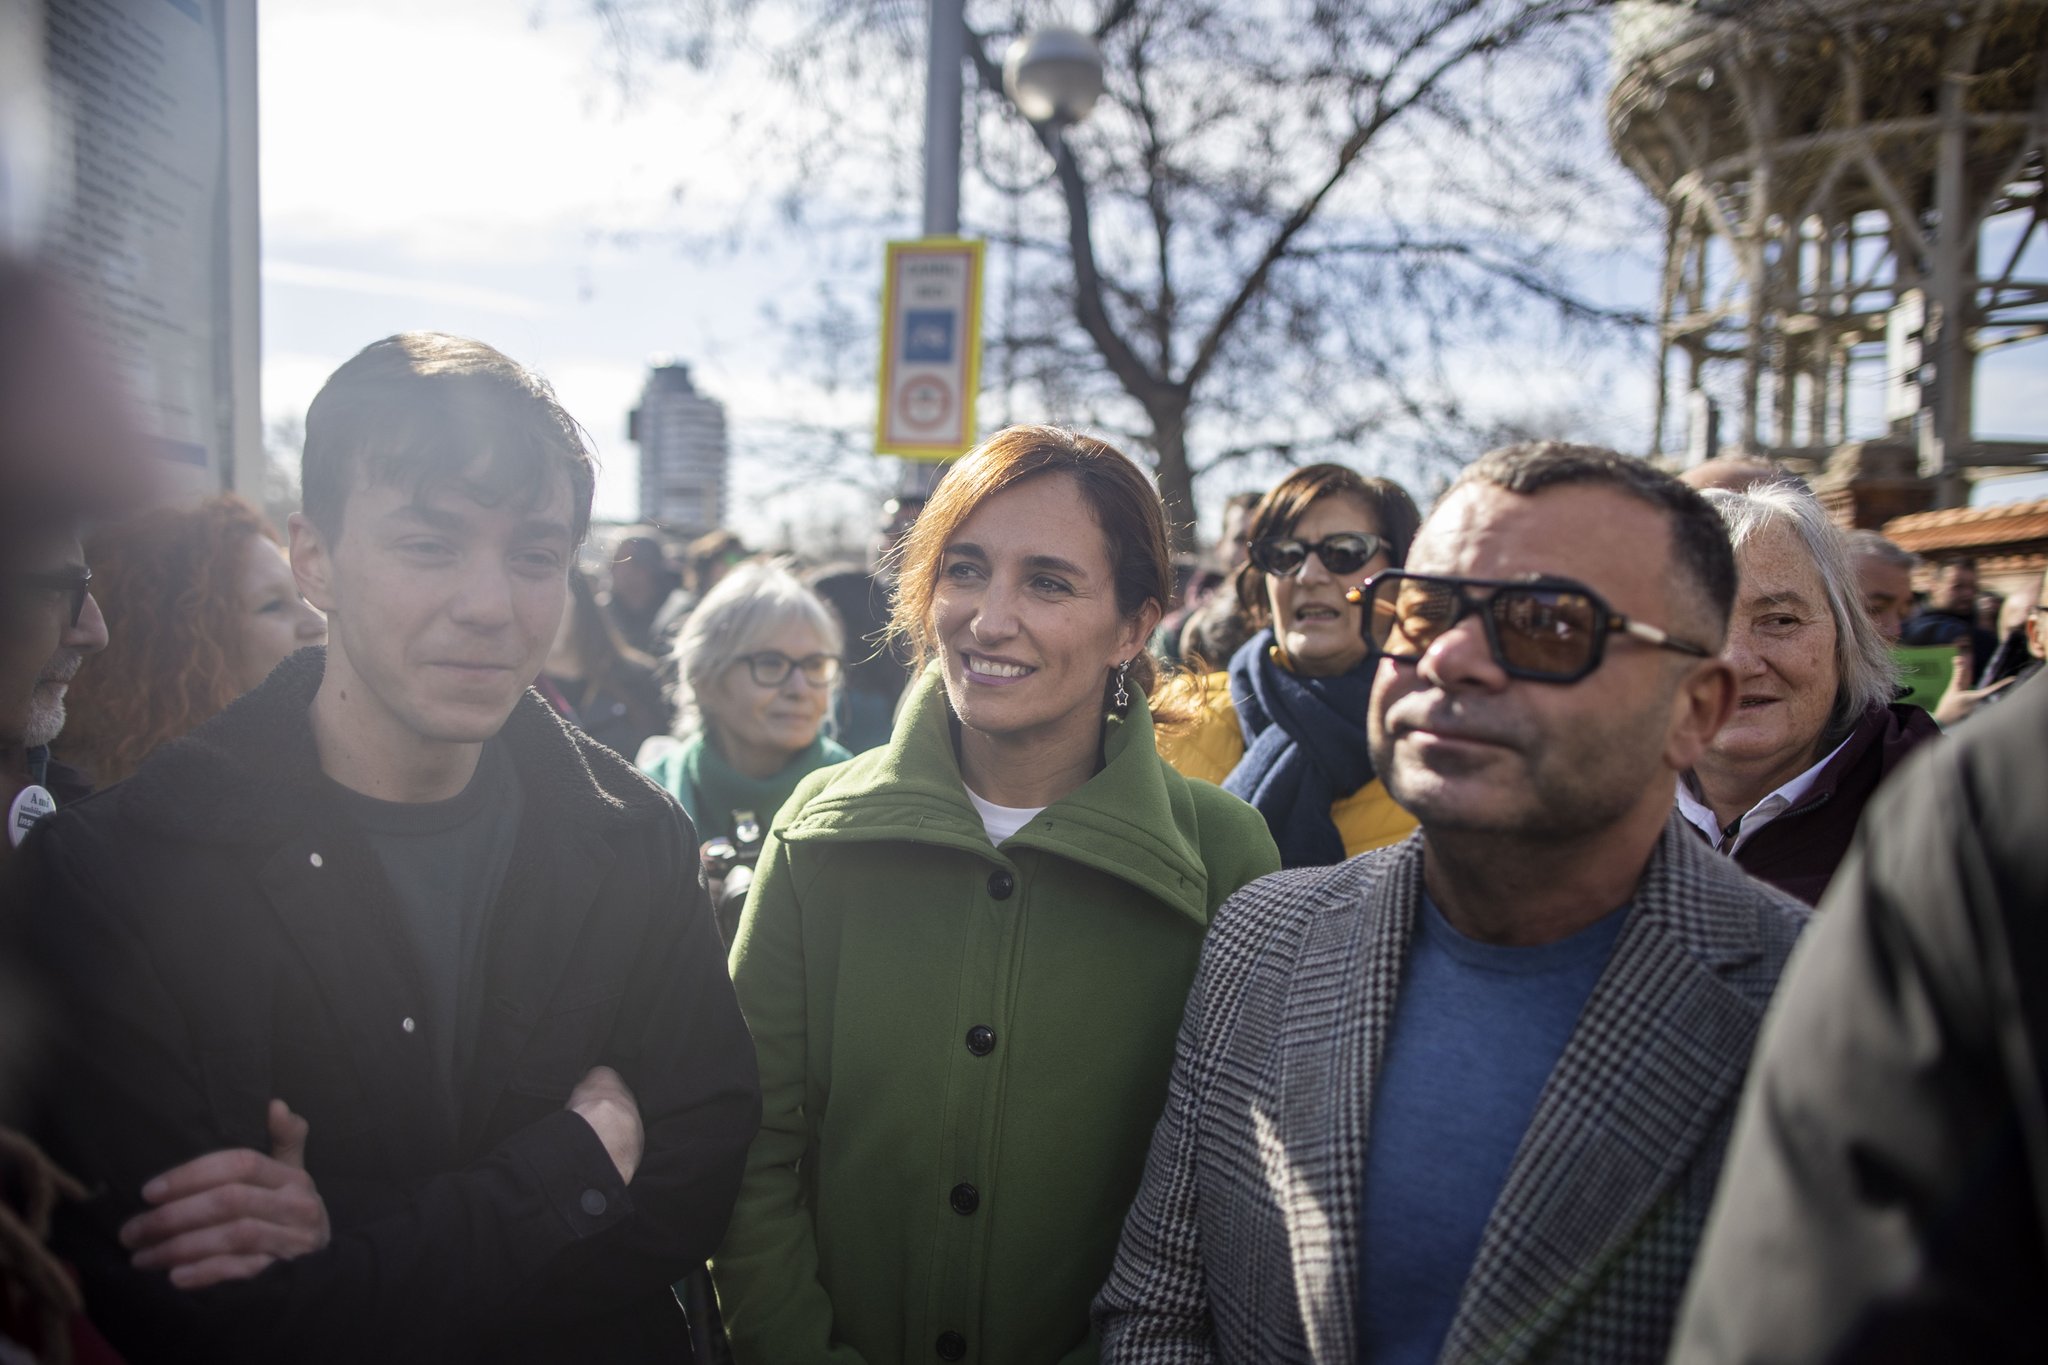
[1001,884]
[966,1199]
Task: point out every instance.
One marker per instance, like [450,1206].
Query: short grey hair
[753,601]
[1865,674]
[1871,545]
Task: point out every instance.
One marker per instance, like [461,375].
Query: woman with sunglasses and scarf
[1284,726]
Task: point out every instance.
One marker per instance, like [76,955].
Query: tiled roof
[1971,528]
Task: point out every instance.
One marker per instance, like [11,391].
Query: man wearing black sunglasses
[1497,1062]
[49,623]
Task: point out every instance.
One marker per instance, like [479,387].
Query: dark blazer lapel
[322,887]
[1651,1072]
[529,941]
[1339,1008]
[559,862]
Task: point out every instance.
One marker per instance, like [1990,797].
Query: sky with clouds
[470,166]
[467,166]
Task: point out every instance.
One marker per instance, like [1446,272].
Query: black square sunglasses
[1544,630]
[1344,553]
[75,579]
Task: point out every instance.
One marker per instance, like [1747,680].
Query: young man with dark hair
[396,1025]
[1465,1098]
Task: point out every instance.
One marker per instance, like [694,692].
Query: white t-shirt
[1001,821]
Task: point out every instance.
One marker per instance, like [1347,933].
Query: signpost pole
[946,49]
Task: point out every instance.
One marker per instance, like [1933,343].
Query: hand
[1961,699]
[605,1103]
[228,1215]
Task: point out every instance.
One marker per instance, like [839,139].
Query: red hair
[169,584]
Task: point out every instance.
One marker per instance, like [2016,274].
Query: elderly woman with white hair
[756,663]
[1815,729]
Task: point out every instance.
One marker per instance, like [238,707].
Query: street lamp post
[1054,76]
[946,50]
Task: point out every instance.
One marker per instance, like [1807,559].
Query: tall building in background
[681,435]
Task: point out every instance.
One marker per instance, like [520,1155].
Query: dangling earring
[1123,698]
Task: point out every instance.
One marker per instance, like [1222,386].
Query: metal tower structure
[1854,198]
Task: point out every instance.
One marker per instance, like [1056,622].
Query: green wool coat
[963,1048]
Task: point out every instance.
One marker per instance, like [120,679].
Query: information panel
[144,229]
[931,348]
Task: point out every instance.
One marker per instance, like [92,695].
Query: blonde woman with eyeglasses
[756,664]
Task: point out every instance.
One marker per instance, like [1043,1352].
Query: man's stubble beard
[45,719]
[1565,803]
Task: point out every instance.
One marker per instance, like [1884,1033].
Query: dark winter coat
[621,712]
[215,935]
[1887,1191]
[1799,851]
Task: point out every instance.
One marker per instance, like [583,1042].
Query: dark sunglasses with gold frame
[1544,630]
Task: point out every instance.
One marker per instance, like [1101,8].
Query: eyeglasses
[75,579]
[1344,553]
[771,667]
[1545,630]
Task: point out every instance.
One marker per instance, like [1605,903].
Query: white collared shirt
[1757,816]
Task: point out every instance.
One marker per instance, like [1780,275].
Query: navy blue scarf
[1304,749]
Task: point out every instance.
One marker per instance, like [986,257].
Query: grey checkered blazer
[1241,1246]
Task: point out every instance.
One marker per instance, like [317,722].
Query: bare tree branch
[1522,275]
[1285,230]
[1361,137]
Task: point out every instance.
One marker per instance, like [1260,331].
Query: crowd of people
[1531,928]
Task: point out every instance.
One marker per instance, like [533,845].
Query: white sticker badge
[32,805]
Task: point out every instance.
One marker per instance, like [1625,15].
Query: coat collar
[244,776]
[1597,1155]
[1892,729]
[1129,821]
[249,780]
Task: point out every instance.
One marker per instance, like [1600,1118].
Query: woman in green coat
[965,954]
